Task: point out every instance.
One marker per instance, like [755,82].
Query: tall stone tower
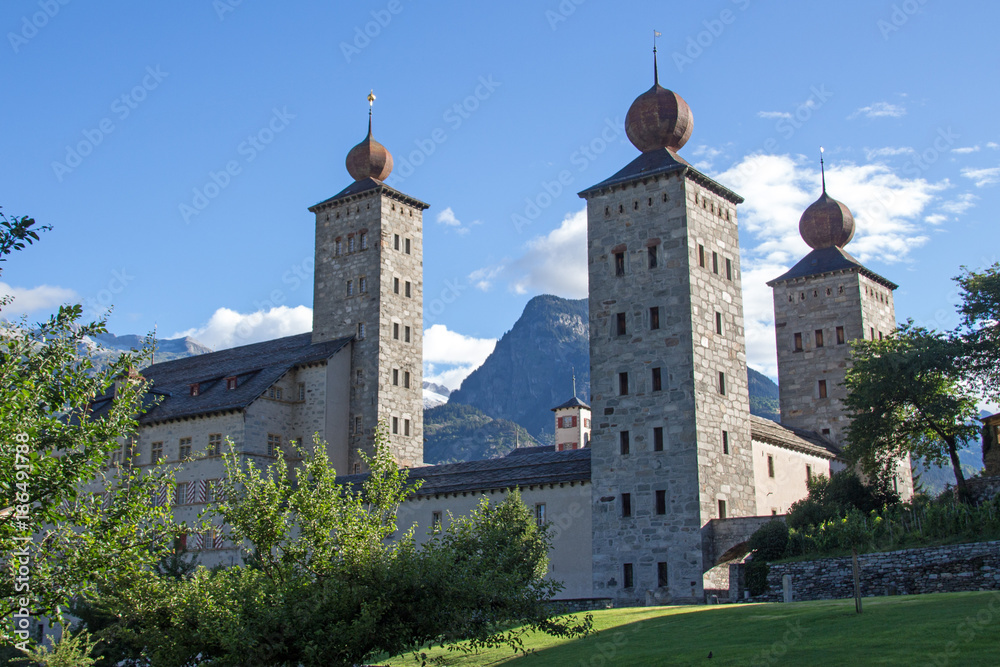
[825,301]
[671,436]
[369,284]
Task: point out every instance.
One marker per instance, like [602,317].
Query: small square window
[626,504]
[231,383]
[657,380]
[623,442]
[628,578]
[661,502]
[657,438]
[184,449]
[195,389]
[155,452]
[214,444]
[273,444]
[654,317]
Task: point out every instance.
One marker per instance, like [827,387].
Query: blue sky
[175,147]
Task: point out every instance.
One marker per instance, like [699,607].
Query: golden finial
[371,98]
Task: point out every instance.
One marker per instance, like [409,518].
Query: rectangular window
[822,388]
[350,244]
[701,256]
[722,383]
[540,514]
[722,509]
[623,383]
[338,248]
[715,262]
[872,329]
[362,285]
[361,330]
[395,241]
[395,377]
[406,334]
[624,442]
[406,427]
[840,336]
[809,472]
[435,519]
[626,504]
[214,444]
[155,452]
[661,575]
[364,241]
[182,494]
[770,466]
[725,442]
[628,580]
[718,323]
[661,502]
[184,449]
[729,269]
[395,285]
[358,430]
[302,391]
[654,317]
[231,383]
[657,438]
[195,389]
[395,330]
[798,343]
[818,337]
[395,425]
[407,292]
[273,444]
[350,287]
[406,379]
[619,264]
[620,324]
[406,245]
[657,380]
[211,486]
[651,252]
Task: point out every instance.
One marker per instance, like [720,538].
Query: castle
[651,483]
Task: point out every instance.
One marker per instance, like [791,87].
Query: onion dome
[827,223]
[659,118]
[369,159]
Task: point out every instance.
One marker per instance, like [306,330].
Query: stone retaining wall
[984,488]
[958,567]
[580,605]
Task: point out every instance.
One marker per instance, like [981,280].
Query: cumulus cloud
[773,115]
[890,211]
[888,151]
[960,204]
[228,328]
[965,149]
[879,110]
[982,177]
[992,144]
[30,299]
[449,357]
[448,219]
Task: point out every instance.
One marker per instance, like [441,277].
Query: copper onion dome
[659,118]
[827,222]
[369,159]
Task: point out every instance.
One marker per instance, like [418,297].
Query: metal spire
[822,169]
[574,380]
[656,76]
[371,101]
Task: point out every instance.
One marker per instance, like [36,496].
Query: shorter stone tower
[572,424]
[825,301]
[369,284]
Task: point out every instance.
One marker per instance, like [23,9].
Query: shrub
[769,541]
[756,571]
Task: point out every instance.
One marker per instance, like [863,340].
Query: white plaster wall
[776,494]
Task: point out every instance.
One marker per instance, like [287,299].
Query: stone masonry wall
[959,567]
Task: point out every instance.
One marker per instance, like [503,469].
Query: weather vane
[656,74]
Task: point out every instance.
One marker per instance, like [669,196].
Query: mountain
[166,350]
[531,368]
[438,389]
[455,432]
[933,479]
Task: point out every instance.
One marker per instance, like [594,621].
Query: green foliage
[980,311]
[769,541]
[756,570]
[72,650]
[906,394]
[834,496]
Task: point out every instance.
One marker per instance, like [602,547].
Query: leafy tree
[980,311]
[331,580]
[835,496]
[68,519]
[906,394]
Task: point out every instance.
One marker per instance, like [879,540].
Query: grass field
[938,629]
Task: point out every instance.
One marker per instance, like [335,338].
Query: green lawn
[938,629]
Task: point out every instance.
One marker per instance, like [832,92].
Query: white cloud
[890,211]
[30,299]
[706,152]
[959,205]
[449,357]
[936,219]
[992,144]
[448,219]
[965,149]
[879,110]
[228,328]
[888,151]
[774,115]
[483,278]
[982,177]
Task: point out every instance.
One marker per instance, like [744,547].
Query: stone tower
[572,427]
[825,301]
[369,284]
[671,436]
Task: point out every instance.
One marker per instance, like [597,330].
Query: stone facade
[991,445]
[369,283]
[957,567]
[659,470]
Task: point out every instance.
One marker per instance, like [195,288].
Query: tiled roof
[367,184]
[571,403]
[808,442]
[255,367]
[828,260]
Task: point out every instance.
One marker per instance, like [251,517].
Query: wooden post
[857,581]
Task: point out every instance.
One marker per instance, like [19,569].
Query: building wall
[567,511]
[572,437]
[678,217]
[393,230]
[775,495]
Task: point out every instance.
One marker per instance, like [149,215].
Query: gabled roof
[255,367]
[370,185]
[658,163]
[571,403]
[828,260]
[807,442]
